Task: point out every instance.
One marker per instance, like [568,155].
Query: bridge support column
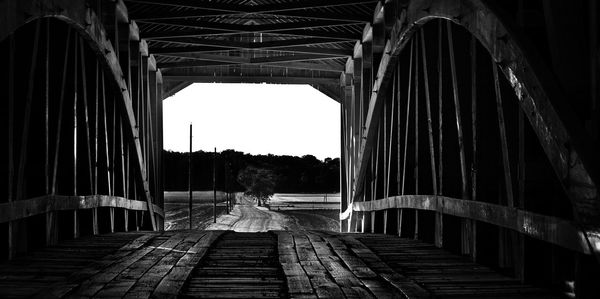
[367,226]
[137,220]
[95,230]
[111,212]
[372,216]
[76,228]
[385,221]
[345,145]
[17,238]
[51,228]
[361,222]
[399,214]
[126,219]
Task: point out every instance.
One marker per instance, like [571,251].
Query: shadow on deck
[226,264]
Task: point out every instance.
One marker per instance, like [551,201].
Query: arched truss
[370,83]
[84,115]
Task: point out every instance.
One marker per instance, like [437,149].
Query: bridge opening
[291,131]
[264,119]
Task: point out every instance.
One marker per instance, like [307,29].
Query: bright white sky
[253,118]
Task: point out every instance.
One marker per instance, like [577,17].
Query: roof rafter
[303,50]
[228,44]
[207,59]
[200,13]
[300,41]
[252,79]
[244,9]
[261,28]
[290,65]
[220,46]
[172,33]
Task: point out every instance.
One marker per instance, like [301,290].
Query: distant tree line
[292,174]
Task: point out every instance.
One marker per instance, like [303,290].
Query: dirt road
[247,217]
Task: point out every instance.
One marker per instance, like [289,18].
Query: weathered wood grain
[444,274]
[217,264]
[238,265]
[171,284]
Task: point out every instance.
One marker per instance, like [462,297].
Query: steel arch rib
[551,117]
[85,21]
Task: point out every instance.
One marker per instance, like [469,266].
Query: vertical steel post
[75,87]
[12,231]
[46,110]
[190,177]
[440,112]
[474,143]
[26,119]
[410,67]
[416,168]
[465,225]
[593,44]
[215,186]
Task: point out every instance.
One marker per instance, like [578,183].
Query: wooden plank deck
[28,275]
[277,264]
[239,265]
[446,275]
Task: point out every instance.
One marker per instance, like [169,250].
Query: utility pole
[226,187]
[215,187]
[190,176]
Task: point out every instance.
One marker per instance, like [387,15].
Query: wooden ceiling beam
[220,47]
[252,79]
[300,50]
[307,66]
[173,33]
[291,58]
[242,28]
[228,44]
[203,13]
[207,59]
[320,15]
[290,65]
[279,7]
[315,50]
[176,50]
[244,9]
[206,5]
[210,57]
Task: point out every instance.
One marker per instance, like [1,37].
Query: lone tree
[259,183]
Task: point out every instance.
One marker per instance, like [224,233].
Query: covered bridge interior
[469,125]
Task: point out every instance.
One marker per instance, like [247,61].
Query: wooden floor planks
[53,266]
[446,275]
[238,265]
[226,264]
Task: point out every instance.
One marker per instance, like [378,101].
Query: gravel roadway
[247,217]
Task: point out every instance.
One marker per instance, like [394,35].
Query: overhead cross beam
[228,44]
[222,60]
[297,30]
[252,79]
[260,28]
[246,9]
[203,13]
[200,32]
[197,50]
[308,35]
[208,59]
